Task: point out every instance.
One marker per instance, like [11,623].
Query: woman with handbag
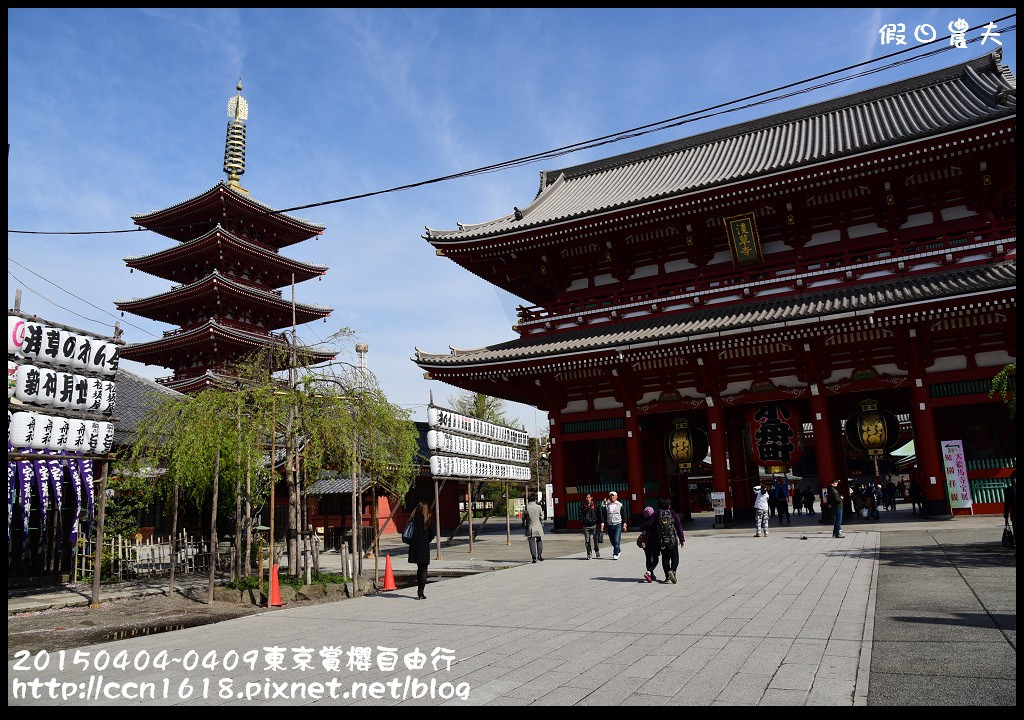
[419,546]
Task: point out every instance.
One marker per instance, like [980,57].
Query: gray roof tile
[800,309]
[963,95]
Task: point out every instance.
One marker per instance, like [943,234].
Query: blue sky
[117,112]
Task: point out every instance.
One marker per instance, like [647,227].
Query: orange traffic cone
[389,576]
[275,589]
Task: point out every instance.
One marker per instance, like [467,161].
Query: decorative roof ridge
[989,61]
[217,275]
[516,214]
[228,234]
[138,218]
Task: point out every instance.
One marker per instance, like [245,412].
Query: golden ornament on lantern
[875,431]
[687,446]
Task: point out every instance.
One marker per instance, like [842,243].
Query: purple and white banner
[25,477]
[76,483]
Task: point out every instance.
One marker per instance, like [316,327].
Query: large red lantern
[875,431]
[774,436]
[687,446]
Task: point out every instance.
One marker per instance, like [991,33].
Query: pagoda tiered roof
[929,105]
[235,211]
[206,298]
[219,249]
[171,349]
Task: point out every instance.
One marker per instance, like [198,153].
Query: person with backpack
[590,516]
[664,537]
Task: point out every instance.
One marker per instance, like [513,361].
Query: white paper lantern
[28,384]
[15,334]
[44,432]
[68,345]
[95,400]
[23,429]
[59,434]
[80,400]
[94,436]
[65,390]
[47,387]
[83,352]
[113,359]
[78,436]
[32,344]
[109,396]
[12,378]
[50,350]
[101,355]
[107,442]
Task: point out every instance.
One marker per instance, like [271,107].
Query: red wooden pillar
[558,472]
[635,465]
[741,497]
[825,451]
[719,463]
[926,443]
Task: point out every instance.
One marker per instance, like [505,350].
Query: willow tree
[348,425]
[191,437]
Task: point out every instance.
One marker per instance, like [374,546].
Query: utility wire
[10,259]
[694,116]
[35,292]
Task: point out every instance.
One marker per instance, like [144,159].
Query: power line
[694,116]
[10,259]
[35,292]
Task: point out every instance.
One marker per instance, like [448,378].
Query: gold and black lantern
[687,446]
[875,431]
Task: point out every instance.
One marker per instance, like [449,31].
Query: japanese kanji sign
[958,487]
[743,240]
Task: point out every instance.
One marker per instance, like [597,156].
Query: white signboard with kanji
[958,487]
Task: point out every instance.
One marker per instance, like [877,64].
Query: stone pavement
[904,611]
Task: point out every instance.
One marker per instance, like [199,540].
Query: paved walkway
[790,619]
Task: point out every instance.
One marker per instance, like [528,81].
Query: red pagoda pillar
[719,463]
[635,465]
[926,443]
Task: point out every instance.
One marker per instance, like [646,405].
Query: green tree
[1004,384]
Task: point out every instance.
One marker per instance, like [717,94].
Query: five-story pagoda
[228,264]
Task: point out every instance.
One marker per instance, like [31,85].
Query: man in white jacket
[760,511]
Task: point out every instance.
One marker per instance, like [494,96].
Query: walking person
[780,490]
[652,548]
[761,510]
[835,504]
[590,516]
[809,500]
[669,538]
[915,497]
[419,548]
[534,525]
[614,523]
[798,501]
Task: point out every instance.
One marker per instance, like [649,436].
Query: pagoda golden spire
[234,145]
